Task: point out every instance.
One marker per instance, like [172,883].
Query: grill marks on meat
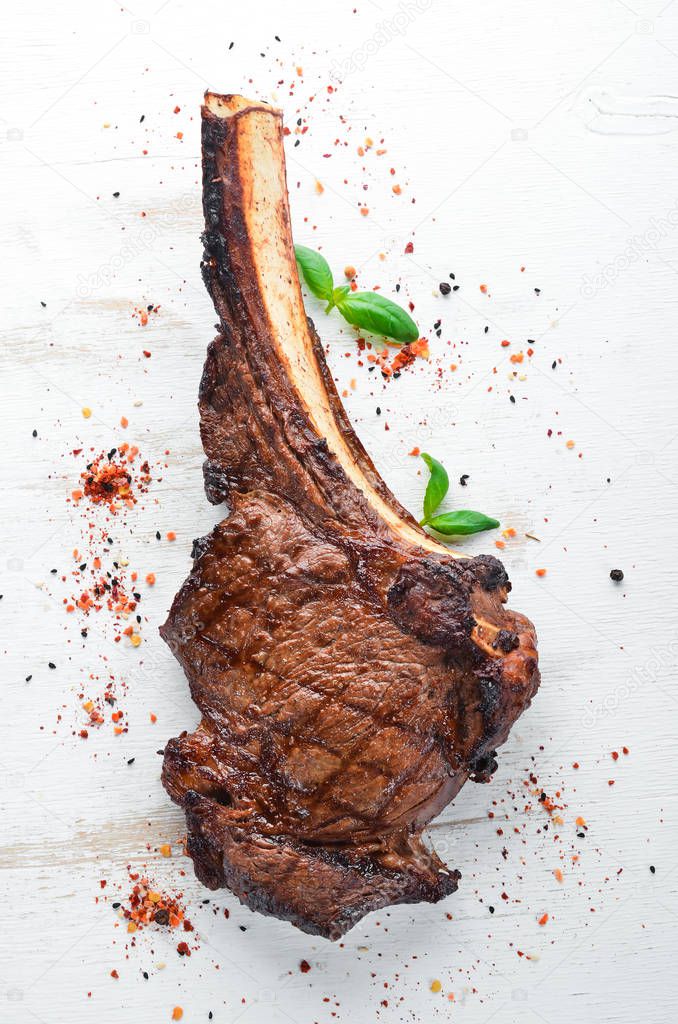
[352,673]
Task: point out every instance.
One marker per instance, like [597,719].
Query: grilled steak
[352,672]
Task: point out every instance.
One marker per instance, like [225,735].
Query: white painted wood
[529,135]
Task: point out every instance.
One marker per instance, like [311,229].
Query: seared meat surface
[352,673]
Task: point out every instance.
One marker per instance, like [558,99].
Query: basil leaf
[437,487]
[340,293]
[375,313]
[316,272]
[461,523]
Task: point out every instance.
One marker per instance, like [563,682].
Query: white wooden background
[536,135]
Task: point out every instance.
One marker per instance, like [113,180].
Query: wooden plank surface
[535,148]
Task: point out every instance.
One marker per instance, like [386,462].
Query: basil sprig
[457,524]
[375,313]
[437,487]
[451,524]
[316,271]
[366,310]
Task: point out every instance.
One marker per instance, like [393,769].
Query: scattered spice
[147,906]
[112,480]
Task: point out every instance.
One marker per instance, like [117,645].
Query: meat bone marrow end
[352,672]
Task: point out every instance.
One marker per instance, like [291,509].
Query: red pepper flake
[540,572]
[483,289]
[147,906]
[144,312]
[409,248]
[543,919]
[420,347]
[171,535]
[407,354]
[304,966]
[114,973]
[111,481]
[615,755]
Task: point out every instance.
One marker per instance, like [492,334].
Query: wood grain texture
[535,137]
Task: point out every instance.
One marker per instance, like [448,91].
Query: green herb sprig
[368,311]
[451,524]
